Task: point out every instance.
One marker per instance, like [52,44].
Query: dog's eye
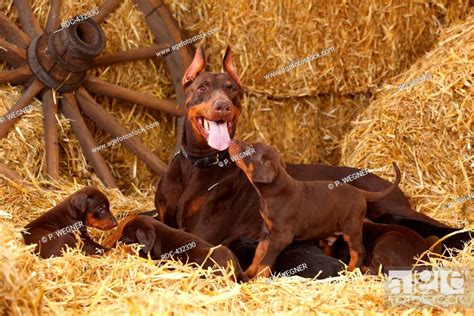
[232,88]
[202,87]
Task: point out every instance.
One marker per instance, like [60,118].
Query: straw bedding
[306,113]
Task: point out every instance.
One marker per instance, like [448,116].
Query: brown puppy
[394,246]
[163,242]
[300,210]
[55,229]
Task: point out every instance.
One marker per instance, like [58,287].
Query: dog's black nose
[222,106]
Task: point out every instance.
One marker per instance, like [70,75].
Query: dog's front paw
[263,272]
[251,272]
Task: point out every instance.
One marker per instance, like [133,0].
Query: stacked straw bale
[428,128]
[373,40]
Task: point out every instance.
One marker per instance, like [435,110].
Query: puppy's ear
[266,173]
[79,201]
[198,64]
[228,66]
[146,238]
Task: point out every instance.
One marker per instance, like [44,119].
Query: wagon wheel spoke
[105,9]
[28,21]
[103,119]
[9,173]
[53,22]
[11,54]
[22,102]
[129,55]
[50,108]
[70,109]
[12,32]
[107,89]
[15,76]
[166,30]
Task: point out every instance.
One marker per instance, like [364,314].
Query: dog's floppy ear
[147,238]
[229,66]
[266,173]
[79,201]
[198,64]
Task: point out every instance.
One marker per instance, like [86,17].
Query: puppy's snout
[234,146]
[113,223]
[222,106]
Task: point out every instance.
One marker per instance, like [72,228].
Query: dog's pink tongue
[218,135]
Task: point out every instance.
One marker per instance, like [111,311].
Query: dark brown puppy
[389,246]
[426,230]
[300,210]
[163,242]
[55,229]
[392,246]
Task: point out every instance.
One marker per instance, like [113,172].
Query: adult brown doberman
[206,194]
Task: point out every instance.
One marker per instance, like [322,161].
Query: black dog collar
[207,161]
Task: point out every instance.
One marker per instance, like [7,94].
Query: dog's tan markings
[194,206]
[263,271]
[259,253]
[354,255]
[97,223]
[266,220]
[323,244]
[248,170]
[92,222]
[161,211]
[193,113]
[235,113]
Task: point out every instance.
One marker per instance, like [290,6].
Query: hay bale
[427,128]
[373,40]
[304,129]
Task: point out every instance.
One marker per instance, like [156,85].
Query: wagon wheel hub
[60,59]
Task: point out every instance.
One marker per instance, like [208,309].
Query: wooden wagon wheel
[49,62]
